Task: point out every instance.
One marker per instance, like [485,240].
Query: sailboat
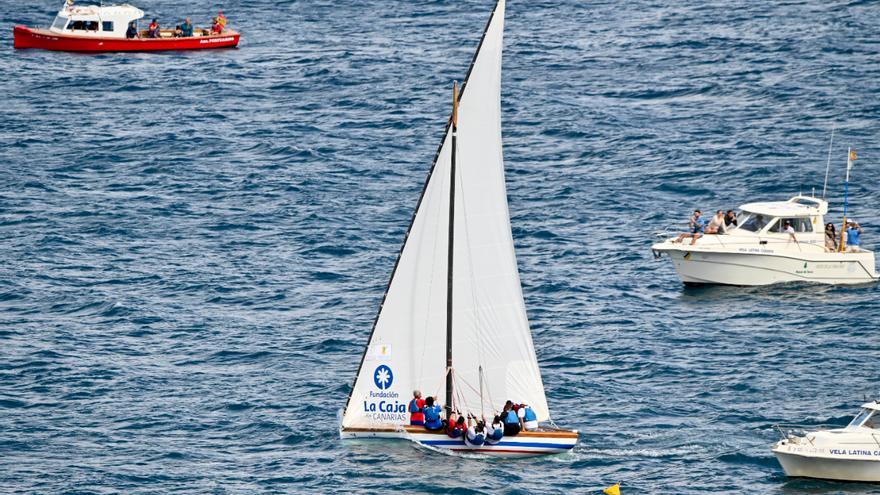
[452,322]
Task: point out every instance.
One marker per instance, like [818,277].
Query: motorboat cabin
[805,215]
[851,453]
[99,21]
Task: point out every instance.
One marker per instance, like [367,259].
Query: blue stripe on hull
[454,443]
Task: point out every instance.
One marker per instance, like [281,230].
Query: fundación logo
[383,377]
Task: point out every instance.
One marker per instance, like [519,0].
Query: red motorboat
[113,28]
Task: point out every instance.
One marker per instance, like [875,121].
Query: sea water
[193,246]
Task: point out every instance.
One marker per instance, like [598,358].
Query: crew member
[432,415]
[528,420]
[457,428]
[476,434]
[510,419]
[495,431]
[416,405]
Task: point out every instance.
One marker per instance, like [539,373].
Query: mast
[850,156]
[451,250]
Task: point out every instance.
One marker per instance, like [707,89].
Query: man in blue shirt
[697,224]
[432,415]
[853,237]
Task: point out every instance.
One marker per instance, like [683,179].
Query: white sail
[407,349]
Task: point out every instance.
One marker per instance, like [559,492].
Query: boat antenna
[450,250]
[850,156]
[828,165]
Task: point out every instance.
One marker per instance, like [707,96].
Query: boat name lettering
[394,412]
[216,40]
[383,394]
[855,452]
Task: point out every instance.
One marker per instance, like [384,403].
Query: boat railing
[788,431]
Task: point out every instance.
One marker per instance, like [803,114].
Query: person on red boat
[219,23]
[154,29]
[186,28]
[416,409]
[132,31]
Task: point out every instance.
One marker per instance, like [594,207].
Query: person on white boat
[476,434]
[716,225]
[853,237]
[788,229]
[528,420]
[458,428]
[730,219]
[696,224]
[510,418]
[495,431]
[830,238]
[432,415]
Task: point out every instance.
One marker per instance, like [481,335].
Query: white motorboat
[846,454]
[760,252]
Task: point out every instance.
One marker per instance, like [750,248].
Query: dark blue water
[193,246]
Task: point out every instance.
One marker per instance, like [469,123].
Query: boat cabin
[105,21]
[805,213]
[869,417]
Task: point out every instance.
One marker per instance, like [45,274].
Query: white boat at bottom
[846,454]
[760,252]
[524,444]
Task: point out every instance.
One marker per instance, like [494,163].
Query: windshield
[59,22]
[865,418]
[807,202]
[752,222]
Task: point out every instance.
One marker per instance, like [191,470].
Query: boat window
[59,22]
[92,25]
[800,225]
[107,26]
[752,222]
[866,419]
[77,25]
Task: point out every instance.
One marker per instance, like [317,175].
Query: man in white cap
[853,236]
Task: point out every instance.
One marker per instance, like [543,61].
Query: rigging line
[828,165]
[437,230]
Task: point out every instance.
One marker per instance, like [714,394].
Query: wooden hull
[25,37]
[525,444]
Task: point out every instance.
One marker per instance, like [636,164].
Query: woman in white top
[717,225]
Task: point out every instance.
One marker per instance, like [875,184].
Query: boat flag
[612,490]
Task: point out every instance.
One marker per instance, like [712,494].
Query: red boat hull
[25,37]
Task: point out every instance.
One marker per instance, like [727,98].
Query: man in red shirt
[416,407]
